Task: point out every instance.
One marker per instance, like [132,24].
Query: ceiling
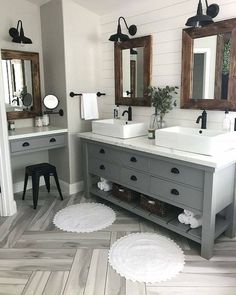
[100,7]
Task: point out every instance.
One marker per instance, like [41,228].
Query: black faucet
[129,112]
[203,119]
[17,99]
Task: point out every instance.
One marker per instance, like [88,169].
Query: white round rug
[146,257]
[84,218]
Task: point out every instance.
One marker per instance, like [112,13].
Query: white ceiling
[100,7]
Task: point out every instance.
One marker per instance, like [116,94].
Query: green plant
[162,98]
[226,57]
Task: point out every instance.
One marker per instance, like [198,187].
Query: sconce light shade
[18,35]
[212,10]
[119,36]
[199,19]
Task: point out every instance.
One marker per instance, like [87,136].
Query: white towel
[196,221]
[183,218]
[89,106]
[189,213]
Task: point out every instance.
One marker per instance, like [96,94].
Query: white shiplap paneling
[164,20]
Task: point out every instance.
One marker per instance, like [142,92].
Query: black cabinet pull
[52,140]
[175,170]
[102,151]
[102,167]
[174,192]
[133,159]
[25,144]
[133,177]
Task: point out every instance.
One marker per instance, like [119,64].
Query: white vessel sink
[119,128]
[206,142]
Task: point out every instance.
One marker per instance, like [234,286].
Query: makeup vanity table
[34,139]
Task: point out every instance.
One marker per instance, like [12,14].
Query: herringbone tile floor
[38,259]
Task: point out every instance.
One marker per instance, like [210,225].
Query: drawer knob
[102,151]
[102,167]
[133,178]
[175,170]
[52,140]
[25,144]
[133,159]
[174,192]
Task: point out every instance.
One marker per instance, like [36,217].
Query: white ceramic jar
[45,119]
[38,121]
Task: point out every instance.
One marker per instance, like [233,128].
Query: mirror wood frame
[145,42]
[37,104]
[188,36]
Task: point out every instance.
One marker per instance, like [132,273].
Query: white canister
[38,121]
[45,119]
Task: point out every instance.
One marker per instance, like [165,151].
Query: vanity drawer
[34,143]
[135,161]
[135,179]
[176,172]
[104,169]
[179,193]
[105,153]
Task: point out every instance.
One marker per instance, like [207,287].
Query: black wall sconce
[119,37]
[18,35]
[200,19]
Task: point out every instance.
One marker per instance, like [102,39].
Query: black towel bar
[72,94]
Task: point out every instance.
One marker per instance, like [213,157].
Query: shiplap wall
[164,20]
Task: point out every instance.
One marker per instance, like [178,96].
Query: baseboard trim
[18,186]
[67,188]
[72,188]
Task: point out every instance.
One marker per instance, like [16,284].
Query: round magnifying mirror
[27,100]
[50,102]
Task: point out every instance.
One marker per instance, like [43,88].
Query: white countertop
[34,131]
[144,144]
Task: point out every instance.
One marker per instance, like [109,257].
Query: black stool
[36,171]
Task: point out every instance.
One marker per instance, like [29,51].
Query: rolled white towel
[196,221]
[104,180]
[99,185]
[107,187]
[189,213]
[181,218]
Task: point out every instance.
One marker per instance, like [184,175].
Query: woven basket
[123,193]
[154,206]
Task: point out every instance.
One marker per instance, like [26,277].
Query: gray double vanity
[201,184]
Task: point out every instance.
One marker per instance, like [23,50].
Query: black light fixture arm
[60,112]
[121,17]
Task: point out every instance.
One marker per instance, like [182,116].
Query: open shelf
[170,221]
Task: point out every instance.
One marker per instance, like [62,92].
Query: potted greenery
[162,100]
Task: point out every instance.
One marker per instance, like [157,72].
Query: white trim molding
[7,202]
[72,188]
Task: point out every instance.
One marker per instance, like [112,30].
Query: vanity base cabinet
[203,190]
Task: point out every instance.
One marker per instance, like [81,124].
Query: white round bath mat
[84,218]
[146,257]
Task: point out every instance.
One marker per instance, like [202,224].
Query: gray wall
[54,73]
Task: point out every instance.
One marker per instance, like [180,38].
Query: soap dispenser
[116,112]
[226,121]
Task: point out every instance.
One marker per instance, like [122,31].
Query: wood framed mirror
[21,79]
[133,63]
[209,67]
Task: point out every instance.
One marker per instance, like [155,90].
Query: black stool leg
[57,183]
[25,185]
[47,181]
[35,185]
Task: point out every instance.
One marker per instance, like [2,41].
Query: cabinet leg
[87,180]
[230,216]
[208,236]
